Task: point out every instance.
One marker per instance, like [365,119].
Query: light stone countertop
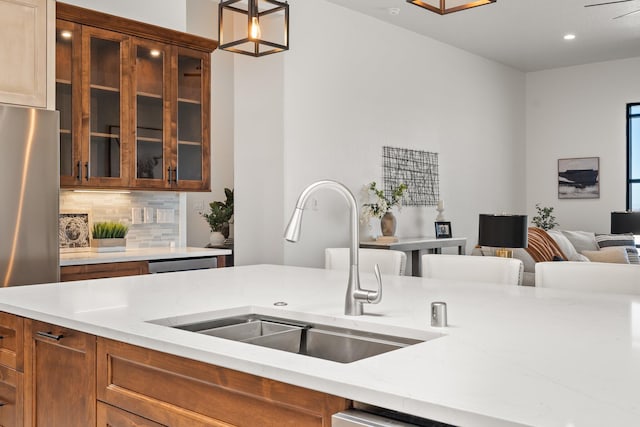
[511,355]
[144,254]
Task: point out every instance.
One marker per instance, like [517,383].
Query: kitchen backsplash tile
[117,207]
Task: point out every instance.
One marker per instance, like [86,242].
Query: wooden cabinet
[134,102]
[59,376]
[11,341]
[27,64]
[103,270]
[11,367]
[175,391]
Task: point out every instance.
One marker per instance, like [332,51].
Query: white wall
[580,112]
[164,13]
[366,84]
[352,84]
[202,19]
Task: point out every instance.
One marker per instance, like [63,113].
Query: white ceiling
[524,34]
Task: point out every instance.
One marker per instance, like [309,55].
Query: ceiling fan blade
[627,14]
[606,3]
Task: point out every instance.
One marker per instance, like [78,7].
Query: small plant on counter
[109,230]
[220,212]
[382,203]
[545,218]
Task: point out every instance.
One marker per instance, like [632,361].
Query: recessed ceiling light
[65,34]
[394,11]
[569,36]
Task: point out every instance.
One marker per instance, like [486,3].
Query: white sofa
[578,246]
[589,276]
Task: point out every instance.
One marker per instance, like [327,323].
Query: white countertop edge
[143,254]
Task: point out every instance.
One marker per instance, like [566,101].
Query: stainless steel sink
[322,341]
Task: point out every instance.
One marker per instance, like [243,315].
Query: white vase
[216,238]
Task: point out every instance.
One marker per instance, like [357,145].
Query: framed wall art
[579,178]
[73,232]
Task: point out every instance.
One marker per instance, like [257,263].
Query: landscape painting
[579,178]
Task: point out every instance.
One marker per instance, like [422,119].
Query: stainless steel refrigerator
[29,187]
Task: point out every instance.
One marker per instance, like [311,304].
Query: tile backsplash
[104,206]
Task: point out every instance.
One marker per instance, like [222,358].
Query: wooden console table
[417,244]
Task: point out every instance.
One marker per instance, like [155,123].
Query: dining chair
[488,269]
[390,261]
[589,276]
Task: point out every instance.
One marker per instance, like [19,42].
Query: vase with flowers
[380,206]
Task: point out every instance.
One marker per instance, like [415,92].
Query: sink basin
[342,345]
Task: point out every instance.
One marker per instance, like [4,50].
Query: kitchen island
[510,356]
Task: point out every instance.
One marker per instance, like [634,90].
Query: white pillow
[582,240]
[566,246]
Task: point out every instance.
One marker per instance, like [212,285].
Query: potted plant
[545,218]
[108,236]
[219,217]
[380,206]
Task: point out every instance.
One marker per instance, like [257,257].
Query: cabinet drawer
[11,343]
[11,397]
[61,337]
[109,416]
[100,271]
[181,392]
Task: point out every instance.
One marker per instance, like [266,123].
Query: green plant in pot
[108,236]
[544,219]
[380,206]
[219,217]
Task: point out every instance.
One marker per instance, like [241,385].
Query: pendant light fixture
[444,7]
[253,27]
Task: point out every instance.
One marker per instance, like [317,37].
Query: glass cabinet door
[152,135]
[106,152]
[68,42]
[193,134]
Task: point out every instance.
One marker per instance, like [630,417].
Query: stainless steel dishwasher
[182,264]
[364,415]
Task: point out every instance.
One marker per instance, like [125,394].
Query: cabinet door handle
[1,337]
[49,335]
[86,176]
[169,175]
[3,403]
[175,175]
[78,176]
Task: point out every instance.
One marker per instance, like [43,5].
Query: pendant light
[253,27]
[444,7]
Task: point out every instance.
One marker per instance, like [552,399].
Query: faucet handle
[374,297]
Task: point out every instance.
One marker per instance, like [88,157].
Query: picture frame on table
[443,229]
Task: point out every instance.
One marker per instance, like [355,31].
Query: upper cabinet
[26,75]
[134,102]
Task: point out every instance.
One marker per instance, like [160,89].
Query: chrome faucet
[356,296]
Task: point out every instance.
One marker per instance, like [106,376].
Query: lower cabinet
[60,377]
[103,270]
[76,379]
[175,391]
[11,397]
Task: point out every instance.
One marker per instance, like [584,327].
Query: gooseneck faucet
[356,296]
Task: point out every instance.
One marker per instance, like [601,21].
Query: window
[633,156]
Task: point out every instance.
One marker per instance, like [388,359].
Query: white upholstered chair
[488,269]
[589,276]
[389,261]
